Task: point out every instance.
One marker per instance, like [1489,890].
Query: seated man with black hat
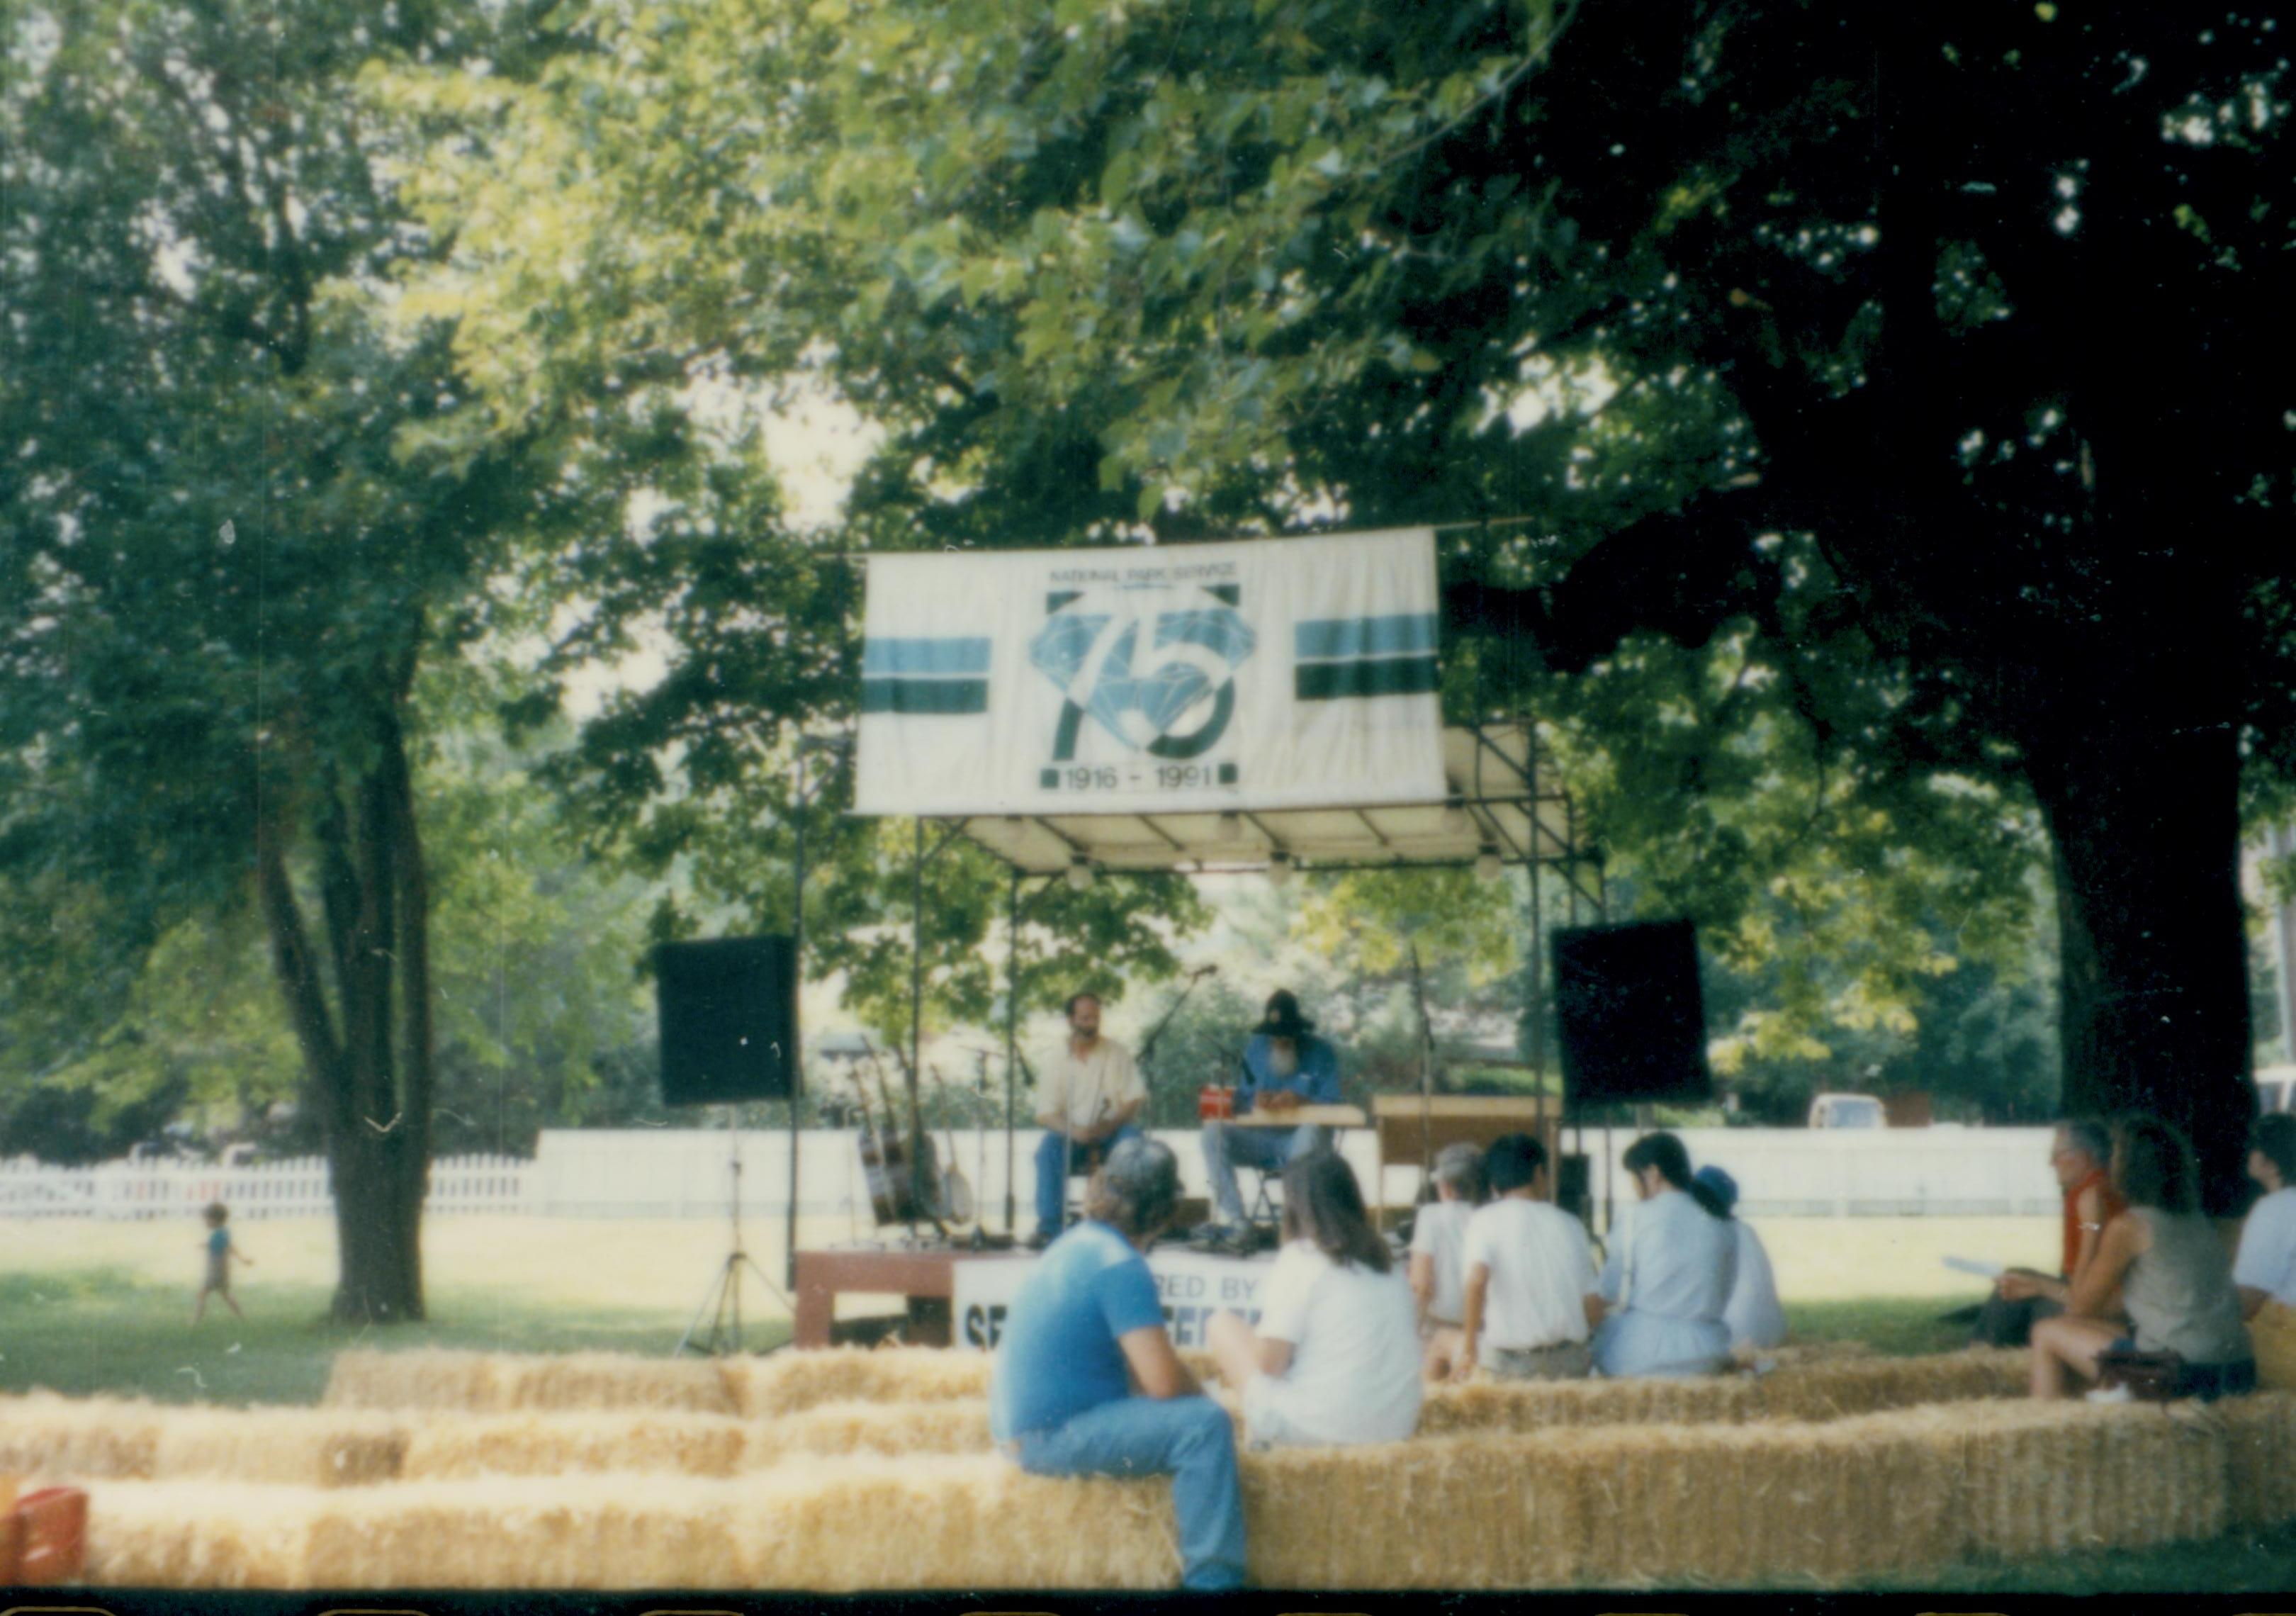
[1285,1066]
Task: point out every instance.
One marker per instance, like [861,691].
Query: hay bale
[956,1425]
[488,1382]
[1764,1503]
[1768,1359]
[313,1447]
[427,1377]
[1452,1511]
[1487,1404]
[594,1532]
[2260,1437]
[2043,1477]
[203,1534]
[788,1382]
[671,1443]
[61,1439]
[1834,1388]
[955,1521]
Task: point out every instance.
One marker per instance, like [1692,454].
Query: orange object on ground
[52,1527]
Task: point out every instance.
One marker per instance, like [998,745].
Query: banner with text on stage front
[1263,674]
[1191,1286]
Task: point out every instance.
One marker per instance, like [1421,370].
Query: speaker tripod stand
[722,1301]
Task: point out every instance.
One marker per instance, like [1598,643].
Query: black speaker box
[728,1012]
[1573,1191]
[1627,1006]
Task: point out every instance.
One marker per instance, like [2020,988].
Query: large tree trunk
[367,1058]
[2139,781]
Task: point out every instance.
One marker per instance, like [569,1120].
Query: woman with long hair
[1667,1282]
[1335,1358]
[2164,1261]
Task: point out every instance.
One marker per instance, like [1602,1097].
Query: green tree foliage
[1853,543]
[240,513]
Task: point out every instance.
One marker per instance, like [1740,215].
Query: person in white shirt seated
[1335,1358]
[1752,1312]
[1670,1272]
[1438,1233]
[2264,1271]
[1532,1299]
[1088,1094]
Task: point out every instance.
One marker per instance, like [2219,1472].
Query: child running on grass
[220,1253]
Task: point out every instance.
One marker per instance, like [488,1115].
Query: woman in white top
[1336,1357]
[1669,1273]
[1753,1314]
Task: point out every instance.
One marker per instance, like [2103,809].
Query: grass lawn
[91,1307]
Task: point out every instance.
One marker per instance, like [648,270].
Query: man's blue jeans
[1228,1147]
[1052,1185]
[1189,1439]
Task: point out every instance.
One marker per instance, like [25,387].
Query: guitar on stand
[912,1198]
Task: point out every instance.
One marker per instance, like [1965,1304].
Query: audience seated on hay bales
[1084,1326]
[1531,1301]
[1753,1314]
[2264,1270]
[1438,1231]
[2080,1151]
[1336,1357]
[2175,1282]
[1668,1278]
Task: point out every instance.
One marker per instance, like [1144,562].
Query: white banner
[1192,1288]
[1268,673]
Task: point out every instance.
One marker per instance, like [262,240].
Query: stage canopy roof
[1496,803]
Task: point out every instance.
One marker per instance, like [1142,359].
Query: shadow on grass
[2243,1563]
[100,1331]
[1896,1327]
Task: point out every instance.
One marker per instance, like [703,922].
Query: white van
[1847,1110]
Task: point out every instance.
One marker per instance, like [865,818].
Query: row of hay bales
[429,1415]
[1818,1386]
[1770,1503]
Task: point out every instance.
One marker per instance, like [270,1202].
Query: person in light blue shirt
[1285,1066]
[1672,1269]
[1084,1326]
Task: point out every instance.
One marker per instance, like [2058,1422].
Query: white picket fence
[299,1188]
[685,1173]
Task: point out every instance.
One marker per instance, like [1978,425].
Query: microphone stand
[1148,1045]
[1426,1079]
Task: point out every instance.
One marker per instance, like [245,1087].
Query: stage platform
[1194,1286]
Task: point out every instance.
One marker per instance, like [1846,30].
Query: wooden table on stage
[926,1276]
[1405,1141]
[1301,1116]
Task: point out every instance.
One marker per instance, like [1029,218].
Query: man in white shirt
[2266,1269]
[1755,1317]
[1088,1092]
[1439,1234]
[1532,1295]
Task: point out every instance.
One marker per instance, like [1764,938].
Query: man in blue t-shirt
[1085,1329]
[1285,1066]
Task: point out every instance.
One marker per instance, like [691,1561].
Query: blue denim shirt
[1316,1081]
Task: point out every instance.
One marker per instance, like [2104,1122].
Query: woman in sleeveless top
[2170,1270]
